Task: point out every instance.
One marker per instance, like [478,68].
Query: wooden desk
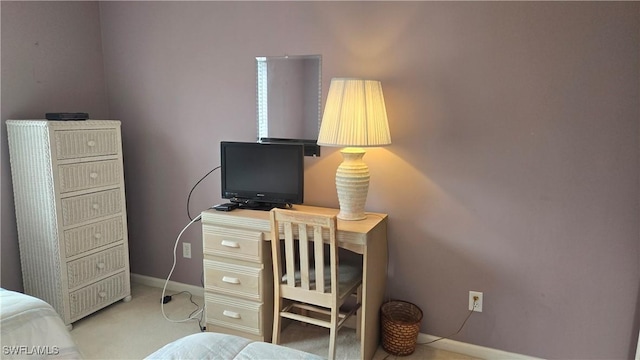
[238,274]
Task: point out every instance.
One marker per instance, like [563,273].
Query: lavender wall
[51,62]
[514,168]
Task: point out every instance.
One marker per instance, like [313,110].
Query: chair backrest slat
[289,254]
[318,245]
[304,256]
[298,226]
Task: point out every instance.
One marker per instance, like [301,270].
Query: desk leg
[373,288]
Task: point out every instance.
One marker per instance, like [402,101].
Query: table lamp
[354,117]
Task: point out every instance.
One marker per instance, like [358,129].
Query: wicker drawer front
[232,313]
[91,206]
[81,176]
[85,270]
[71,144]
[232,243]
[85,238]
[231,279]
[98,295]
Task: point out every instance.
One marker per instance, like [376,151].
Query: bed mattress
[31,329]
[216,346]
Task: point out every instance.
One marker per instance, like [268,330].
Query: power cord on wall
[193,188]
[475,300]
[199,312]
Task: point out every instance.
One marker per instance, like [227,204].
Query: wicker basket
[400,327]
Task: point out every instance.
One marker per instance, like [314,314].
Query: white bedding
[217,346]
[31,329]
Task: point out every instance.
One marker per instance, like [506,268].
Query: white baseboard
[171,285]
[472,350]
[444,344]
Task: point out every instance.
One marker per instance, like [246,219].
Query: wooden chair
[312,287]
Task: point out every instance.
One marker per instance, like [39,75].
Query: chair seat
[348,277]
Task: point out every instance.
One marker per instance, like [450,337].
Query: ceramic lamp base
[352,184]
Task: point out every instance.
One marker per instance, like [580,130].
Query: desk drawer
[81,176]
[232,243]
[78,209]
[233,313]
[231,279]
[71,144]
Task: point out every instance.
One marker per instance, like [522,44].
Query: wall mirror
[288,100]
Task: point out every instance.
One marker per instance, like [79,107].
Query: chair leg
[277,306]
[359,312]
[333,333]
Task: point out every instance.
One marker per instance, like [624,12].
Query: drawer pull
[97,236]
[102,294]
[230,280]
[93,175]
[91,143]
[229,243]
[231,314]
[95,206]
[100,266]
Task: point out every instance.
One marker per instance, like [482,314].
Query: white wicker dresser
[68,185]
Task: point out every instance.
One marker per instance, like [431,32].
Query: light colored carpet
[135,329]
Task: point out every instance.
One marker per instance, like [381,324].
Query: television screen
[263,176]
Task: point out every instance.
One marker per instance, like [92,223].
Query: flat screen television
[262,176]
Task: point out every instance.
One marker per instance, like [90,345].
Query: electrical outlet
[186,250]
[477,296]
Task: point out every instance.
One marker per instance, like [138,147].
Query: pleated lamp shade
[354,115]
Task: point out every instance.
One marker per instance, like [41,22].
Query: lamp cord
[455,333]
